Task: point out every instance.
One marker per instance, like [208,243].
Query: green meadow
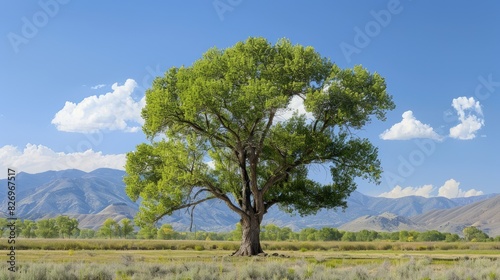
[193,259]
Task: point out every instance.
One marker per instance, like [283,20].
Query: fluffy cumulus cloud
[115,110]
[450,189]
[39,158]
[409,128]
[470,116]
[398,191]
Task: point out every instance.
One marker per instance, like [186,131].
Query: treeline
[66,227]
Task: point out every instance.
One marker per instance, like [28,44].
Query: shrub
[199,248]
[347,247]
[386,247]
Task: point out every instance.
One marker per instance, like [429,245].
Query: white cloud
[470,117]
[39,158]
[115,110]
[398,191]
[98,86]
[296,105]
[451,189]
[409,128]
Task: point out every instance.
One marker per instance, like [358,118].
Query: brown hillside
[483,214]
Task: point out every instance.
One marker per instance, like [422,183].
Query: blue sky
[73,75]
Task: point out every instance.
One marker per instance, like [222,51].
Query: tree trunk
[250,241]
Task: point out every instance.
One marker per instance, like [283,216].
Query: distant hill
[360,205]
[115,211]
[94,196]
[482,214]
[70,192]
[387,222]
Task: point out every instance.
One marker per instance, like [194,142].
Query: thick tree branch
[221,195]
[203,131]
[245,180]
[222,120]
[281,172]
[266,131]
[182,207]
[273,180]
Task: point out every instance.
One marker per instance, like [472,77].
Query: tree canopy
[222,129]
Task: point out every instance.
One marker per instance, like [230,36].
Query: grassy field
[145,259]
[200,245]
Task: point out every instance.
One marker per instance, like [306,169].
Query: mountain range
[92,197]
[388,222]
[482,214]
[86,196]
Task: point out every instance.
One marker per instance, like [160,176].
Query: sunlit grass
[191,259]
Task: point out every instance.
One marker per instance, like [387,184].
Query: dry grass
[185,259]
[138,264]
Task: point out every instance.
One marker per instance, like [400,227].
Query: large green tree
[127,228]
[222,129]
[109,228]
[46,228]
[67,226]
[474,234]
[29,228]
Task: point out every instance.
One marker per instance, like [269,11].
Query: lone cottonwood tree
[219,130]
